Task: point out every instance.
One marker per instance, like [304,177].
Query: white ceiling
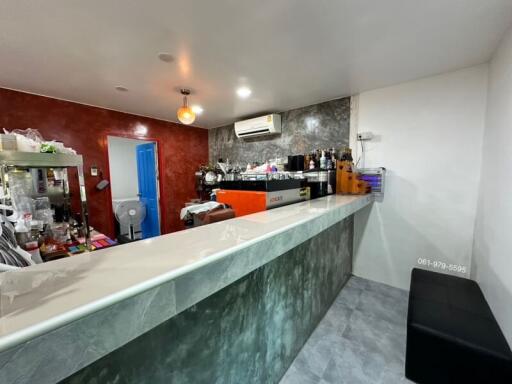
[291,53]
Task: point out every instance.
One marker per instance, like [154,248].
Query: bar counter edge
[39,357]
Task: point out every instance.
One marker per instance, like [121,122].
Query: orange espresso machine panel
[243,202]
[246,202]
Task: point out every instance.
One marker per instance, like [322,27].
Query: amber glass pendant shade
[185,114]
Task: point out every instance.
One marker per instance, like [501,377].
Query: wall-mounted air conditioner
[259,126]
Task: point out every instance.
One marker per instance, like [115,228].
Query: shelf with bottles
[42,218]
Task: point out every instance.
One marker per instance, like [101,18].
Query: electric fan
[130,214]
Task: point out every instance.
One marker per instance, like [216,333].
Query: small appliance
[251,196]
[130,213]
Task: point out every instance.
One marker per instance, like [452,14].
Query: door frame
[162,205]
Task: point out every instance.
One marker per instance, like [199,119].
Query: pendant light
[185,114]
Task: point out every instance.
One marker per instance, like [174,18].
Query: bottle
[307,159]
[329,161]
[333,157]
[22,232]
[323,161]
[343,157]
[312,164]
[349,154]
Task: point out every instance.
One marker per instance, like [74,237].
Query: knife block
[348,182]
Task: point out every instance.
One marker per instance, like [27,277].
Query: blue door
[148,188]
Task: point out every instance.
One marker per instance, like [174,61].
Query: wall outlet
[364,136]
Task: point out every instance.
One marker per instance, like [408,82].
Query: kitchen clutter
[257,187]
[38,223]
[40,218]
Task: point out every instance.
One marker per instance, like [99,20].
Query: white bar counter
[81,308]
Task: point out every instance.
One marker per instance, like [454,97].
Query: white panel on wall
[428,134]
[123,167]
[492,256]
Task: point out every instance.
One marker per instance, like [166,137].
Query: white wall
[492,255]
[429,136]
[123,167]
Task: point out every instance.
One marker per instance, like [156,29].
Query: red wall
[181,148]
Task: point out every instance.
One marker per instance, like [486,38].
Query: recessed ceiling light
[243,92]
[197,109]
[120,88]
[166,57]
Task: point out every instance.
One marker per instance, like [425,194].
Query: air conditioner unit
[259,126]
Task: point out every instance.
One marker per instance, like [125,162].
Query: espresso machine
[206,181]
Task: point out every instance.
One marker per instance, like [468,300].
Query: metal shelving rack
[13,159]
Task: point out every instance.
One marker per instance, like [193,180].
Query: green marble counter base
[248,332]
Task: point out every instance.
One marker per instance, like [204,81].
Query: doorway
[133,168]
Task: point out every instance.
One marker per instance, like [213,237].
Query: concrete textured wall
[323,125]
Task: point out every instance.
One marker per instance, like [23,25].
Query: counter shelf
[33,160]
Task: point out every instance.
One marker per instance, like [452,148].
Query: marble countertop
[41,298]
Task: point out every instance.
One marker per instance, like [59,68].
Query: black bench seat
[452,335]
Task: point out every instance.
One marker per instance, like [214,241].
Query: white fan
[130,214]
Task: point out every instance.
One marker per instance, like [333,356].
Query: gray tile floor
[361,339]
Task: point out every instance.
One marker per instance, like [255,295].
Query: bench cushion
[452,334]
